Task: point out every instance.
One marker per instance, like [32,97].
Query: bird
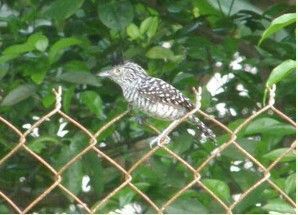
[153,96]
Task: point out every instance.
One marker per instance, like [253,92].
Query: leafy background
[188,43]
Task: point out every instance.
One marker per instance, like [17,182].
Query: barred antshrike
[152,95]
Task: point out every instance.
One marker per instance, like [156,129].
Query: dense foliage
[208,43]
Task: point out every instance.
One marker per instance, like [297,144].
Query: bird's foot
[159,141]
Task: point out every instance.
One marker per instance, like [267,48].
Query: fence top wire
[161,144]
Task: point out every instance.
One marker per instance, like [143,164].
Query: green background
[46,44]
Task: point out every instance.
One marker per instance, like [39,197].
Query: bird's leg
[163,138]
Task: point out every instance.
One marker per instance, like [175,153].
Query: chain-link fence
[160,141]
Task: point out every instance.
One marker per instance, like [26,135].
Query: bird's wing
[158,90]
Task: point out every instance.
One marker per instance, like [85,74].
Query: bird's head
[123,74]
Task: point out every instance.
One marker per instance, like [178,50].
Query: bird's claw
[159,141]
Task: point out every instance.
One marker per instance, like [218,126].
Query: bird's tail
[205,131]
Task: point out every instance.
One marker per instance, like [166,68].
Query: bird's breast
[153,107]
[158,109]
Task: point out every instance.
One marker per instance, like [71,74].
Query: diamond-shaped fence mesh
[161,140]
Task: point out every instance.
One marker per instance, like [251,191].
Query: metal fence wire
[161,145]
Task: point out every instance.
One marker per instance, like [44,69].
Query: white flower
[237,162]
[35,118]
[216,83]
[191,132]
[218,64]
[61,132]
[234,168]
[248,164]
[236,197]
[166,45]
[34,132]
[236,63]
[85,184]
[131,208]
[72,207]
[22,179]
[102,145]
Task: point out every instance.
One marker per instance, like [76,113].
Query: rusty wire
[161,141]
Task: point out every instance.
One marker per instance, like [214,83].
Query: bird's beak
[104,74]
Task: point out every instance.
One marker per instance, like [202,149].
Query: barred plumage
[152,95]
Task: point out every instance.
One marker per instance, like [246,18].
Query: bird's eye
[117,71]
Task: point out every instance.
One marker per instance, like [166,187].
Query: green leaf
[224,7]
[186,206]
[116,15]
[80,78]
[72,177]
[267,125]
[281,71]
[96,174]
[145,25]
[76,66]
[183,79]
[291,184]
[93,101]
[57,49]
[38,76]
[149,26]
[273,155]
[18,94]
[244,179]
[41,143]
[3,69]
[61,10]
[133,31]
[37,69]
[4,209]
[254,197]
[48,100]
[220,188]
[277,24]
[16,50]
[42,44]
[67,97]
[278,73]
[187,143]
[5,58]
[35,41]
[278,205]
[249,145]
[158,52]
[126,197]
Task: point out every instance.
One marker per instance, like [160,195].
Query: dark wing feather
[158,90]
